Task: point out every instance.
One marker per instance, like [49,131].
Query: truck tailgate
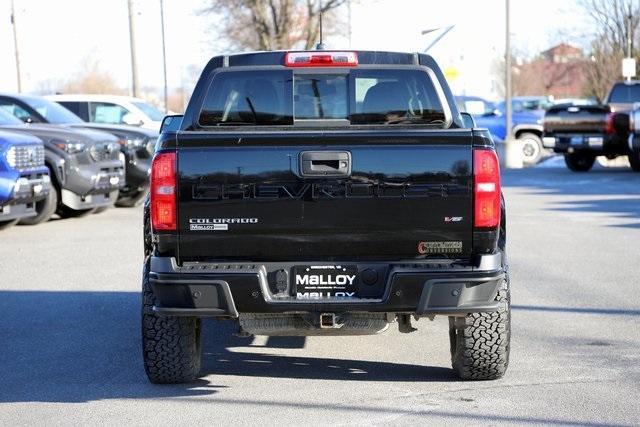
[576,119]
[244,196]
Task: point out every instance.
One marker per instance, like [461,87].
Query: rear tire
[579,161]
[634,160]
[44,209]
[480,342]
[532,148]
[7,224]
[171,346]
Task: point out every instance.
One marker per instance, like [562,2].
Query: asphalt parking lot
[70,335]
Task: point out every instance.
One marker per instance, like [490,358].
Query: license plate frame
[321,282]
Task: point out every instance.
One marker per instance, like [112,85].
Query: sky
[56,37]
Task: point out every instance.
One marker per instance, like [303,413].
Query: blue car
[24,179]
[527,123]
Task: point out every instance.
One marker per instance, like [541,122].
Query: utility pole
[513,152]
[15,47]
[629,18]
[132,47]
[164,58]
[349,14]
[507,73]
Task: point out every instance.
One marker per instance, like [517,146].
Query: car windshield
[52,111]
[152,112]
[356,96]
[7,119]
[625,94]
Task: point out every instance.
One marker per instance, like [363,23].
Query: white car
[112,109]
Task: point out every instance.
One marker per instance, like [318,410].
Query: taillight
[486,173]
[163,192]
[609,125]
[321,59]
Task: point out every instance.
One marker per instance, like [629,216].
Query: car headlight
[71,147]
[10,155]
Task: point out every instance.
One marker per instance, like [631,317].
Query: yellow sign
[451,73]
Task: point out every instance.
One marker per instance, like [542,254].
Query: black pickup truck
[324,193]
[583,132]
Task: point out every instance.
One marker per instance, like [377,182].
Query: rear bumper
[223,290]
[597,143]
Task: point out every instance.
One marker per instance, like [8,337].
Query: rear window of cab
[350,96]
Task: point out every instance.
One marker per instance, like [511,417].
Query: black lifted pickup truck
[324,193]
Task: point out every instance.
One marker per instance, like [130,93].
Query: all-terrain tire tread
[170,345]
[480,347]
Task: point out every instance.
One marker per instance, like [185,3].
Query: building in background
[558,71]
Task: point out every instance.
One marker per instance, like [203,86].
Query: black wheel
[171,347]
[480,342]
[579,161]
[44,208]
[532,148]
[132,200]
[634,160]
[7,224]
[67,212]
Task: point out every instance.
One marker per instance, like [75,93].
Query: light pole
[513,151]
[15,47]
[164,58]
[507,73]
[132,48]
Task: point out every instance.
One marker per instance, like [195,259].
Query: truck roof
[365,57]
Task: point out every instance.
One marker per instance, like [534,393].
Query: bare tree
[614,21]
[92,79]
[272,24]
[611,18]
[603,69]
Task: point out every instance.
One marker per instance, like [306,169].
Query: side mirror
[171,123]
[132,120]
[468,121]
[29,119]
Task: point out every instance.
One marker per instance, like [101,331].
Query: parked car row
[51,161]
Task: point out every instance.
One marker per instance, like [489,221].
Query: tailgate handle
[325,163]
